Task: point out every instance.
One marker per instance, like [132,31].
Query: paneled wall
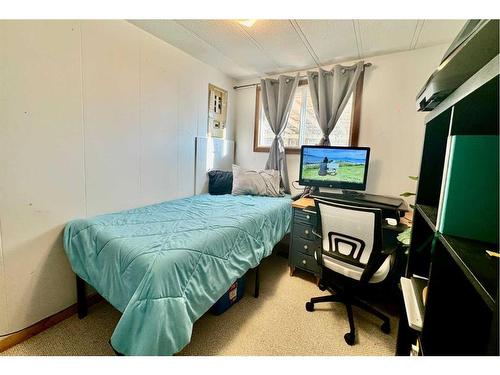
[95,116]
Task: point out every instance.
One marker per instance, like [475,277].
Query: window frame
[355,118]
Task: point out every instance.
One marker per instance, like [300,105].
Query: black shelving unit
[456,218]
[429,214]
[476,265]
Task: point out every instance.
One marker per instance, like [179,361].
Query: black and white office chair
[351,255]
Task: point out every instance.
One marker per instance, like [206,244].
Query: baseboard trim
[42,325]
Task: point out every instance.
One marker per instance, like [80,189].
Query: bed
[164,265]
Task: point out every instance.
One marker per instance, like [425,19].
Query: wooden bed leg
[257,283]
[81,298]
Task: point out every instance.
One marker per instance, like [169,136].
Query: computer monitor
[334,167]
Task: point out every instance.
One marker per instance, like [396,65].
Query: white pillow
[249,182]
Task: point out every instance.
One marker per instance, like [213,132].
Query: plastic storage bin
[233,295]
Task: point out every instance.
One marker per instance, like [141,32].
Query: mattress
[164,265]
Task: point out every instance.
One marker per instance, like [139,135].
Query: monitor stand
[359,197]
[348,193]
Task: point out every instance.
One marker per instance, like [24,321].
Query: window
[302,127]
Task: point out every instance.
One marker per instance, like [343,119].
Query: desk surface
[309,202]
[303,203]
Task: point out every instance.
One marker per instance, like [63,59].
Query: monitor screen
[334,166]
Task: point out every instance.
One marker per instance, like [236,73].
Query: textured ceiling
[274,46]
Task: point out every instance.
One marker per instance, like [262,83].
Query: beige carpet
[274,324]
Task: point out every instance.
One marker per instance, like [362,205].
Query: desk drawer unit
[305,216]
[303,242]
[305,246]
[304,231]
[306,263]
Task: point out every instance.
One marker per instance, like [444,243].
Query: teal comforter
[163,266]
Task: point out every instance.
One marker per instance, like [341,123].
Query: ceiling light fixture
[246,23]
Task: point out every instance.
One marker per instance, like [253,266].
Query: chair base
[349,301]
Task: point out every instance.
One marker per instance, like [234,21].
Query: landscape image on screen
[342,165]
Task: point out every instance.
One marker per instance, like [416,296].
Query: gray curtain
[277,99]
[330,92]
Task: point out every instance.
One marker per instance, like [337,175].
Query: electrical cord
[305,191]
[300,194]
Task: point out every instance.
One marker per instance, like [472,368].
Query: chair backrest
[350,234]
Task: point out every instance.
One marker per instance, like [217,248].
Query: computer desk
[303,241]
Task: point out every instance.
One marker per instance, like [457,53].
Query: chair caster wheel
[386,327]
[349,338]
[321,287]
[309,306]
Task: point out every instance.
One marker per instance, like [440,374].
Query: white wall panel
[192,116]
[3,290]
[160,71]
[111,105]
[207,75]
[187,130]
[390,125]
[41,164]
[95,116]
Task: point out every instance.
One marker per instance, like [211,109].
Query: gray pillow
[249,182]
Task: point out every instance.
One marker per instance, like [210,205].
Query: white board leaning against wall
[211,153]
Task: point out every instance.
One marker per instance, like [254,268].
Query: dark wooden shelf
[461,309]
[429,213]
[469,57]
[478,267]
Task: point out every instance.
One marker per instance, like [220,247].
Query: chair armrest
[316,234]
[375,263]
[390,250]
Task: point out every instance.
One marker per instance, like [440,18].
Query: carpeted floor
[274,324]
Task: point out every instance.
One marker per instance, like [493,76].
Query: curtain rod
[366,65]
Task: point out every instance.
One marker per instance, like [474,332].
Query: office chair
[351,255]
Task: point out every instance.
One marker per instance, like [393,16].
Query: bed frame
[82,303]
[210,153]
